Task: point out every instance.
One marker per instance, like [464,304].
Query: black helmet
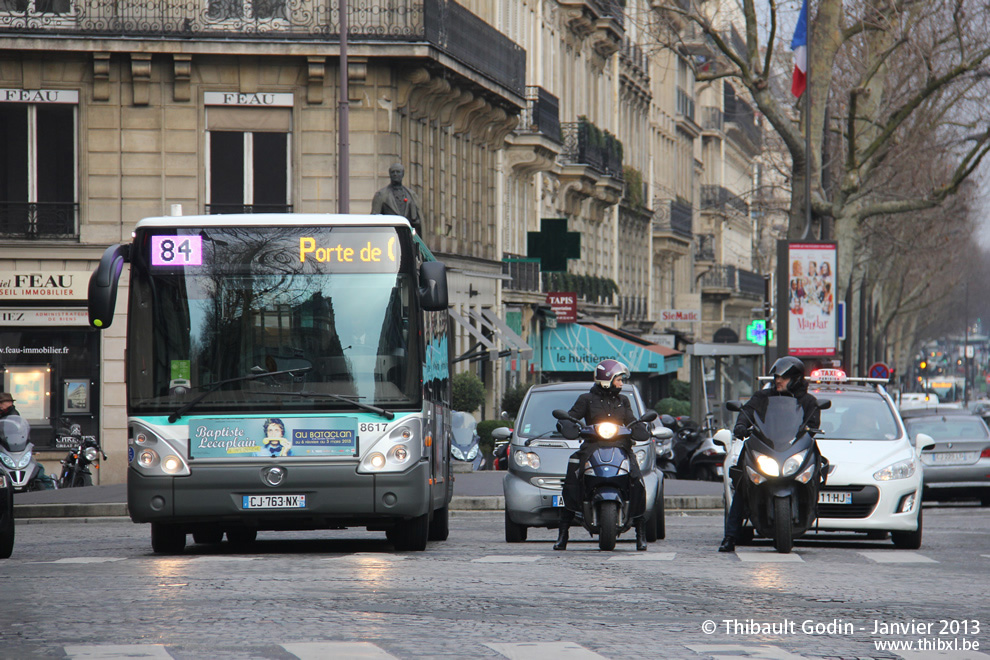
[787,366]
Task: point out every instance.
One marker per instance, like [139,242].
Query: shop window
[38,171]
[248,172]
[36,6]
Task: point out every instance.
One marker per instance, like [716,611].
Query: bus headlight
[396,450]
[147,458]
[153,454]
[172,464]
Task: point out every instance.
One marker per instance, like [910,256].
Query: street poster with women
[811,299]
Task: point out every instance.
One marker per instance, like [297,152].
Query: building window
[38,171]
[36,6]
[248,172]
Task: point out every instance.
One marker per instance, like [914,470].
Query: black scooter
[781,471]
[607,485]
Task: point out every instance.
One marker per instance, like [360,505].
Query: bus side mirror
[433,286]
[103,285]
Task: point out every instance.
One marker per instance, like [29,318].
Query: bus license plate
[558,500]
[835,498]
[274,502]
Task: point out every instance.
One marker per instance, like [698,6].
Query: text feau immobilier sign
[60,285]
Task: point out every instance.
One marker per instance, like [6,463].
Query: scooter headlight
[755,476]
[792,464]
[606,430]
[25,460]
[8,461]
[90,454]
[471,454]
[805,476]
[767,465]
[457,453]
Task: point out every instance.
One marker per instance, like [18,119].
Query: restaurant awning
[581,346]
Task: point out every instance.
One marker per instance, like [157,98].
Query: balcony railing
[734,280]
[741,114]
[677,218]
[633,54]
[633,308]
[712,118]
[524,273]
[586,144]
[717,197]
[443,23]
[53,220]
[541,114]
[221,209]
[685,104]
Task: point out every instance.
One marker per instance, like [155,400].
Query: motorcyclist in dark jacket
[788,380]
[603,403]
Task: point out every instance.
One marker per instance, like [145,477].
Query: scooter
[607,485]
[17,456]
[75,465]
[465,443]
[695,456]
[781,471]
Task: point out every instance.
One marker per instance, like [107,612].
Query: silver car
[538,461]
[959,466]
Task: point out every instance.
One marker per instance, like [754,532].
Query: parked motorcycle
[500,456]
[606,482]
[781,471]
[693,454]
[17,456]
[465,443]
[75,465]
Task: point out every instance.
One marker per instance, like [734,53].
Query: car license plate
[273,502]
[835,498]
[558,500]
[952,457]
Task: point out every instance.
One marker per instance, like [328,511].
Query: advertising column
[806,299]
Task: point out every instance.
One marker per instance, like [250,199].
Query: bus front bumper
[335,496]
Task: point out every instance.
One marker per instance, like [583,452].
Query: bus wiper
[256,373]
[387,414]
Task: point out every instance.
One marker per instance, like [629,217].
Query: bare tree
[886,70]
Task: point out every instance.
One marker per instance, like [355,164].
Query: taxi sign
[828,375]
[879,370]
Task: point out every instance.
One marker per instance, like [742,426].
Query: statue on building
[396,199]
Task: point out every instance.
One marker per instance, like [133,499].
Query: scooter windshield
[14,433]
[784,417]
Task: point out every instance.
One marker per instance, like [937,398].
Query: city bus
[284,372]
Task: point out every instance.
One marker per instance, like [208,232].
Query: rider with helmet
[788,380]
[603,403]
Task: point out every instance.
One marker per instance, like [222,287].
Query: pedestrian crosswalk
[565,650]
[751,555]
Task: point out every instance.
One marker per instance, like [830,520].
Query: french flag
[799,44]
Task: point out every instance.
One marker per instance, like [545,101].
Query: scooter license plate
[558,500]
[273,502]
[835,498]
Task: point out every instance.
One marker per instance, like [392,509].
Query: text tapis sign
[564,305]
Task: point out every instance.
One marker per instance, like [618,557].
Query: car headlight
[641,457]
[458,454]
[526,459]
[8,461]
[471,454]
[25,460]
[606,430]
[794,462]
[900,470]
[767,465]
[90,454]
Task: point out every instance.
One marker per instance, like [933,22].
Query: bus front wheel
[167,539]
[410,534]
[440,525]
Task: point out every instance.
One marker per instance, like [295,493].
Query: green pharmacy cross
[554,245]
[756,332]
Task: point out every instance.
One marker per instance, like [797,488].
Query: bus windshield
[221,303]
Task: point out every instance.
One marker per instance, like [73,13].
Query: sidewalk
[473,491]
